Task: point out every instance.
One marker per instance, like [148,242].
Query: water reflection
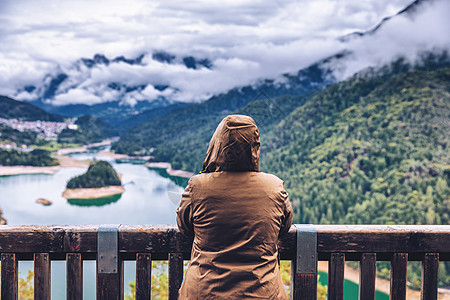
[179,181]
[96,201]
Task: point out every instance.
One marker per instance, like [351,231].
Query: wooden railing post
[42,268]
[399,264]
[74,270]
[143,276]
[304,266]
[175,274]
[430,269]
[336,276]
[9,275]
[367,275]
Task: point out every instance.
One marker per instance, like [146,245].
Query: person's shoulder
[270,178]
[195,178]
[198,179]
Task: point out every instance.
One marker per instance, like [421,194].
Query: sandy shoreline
[92,193]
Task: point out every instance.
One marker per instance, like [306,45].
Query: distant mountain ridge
[111,112]
[409,10]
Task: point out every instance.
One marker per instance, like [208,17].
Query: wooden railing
[140,243]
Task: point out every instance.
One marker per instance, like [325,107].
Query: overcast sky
[245,41]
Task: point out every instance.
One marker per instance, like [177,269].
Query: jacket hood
[234,146]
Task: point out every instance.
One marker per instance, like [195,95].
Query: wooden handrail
[143,243]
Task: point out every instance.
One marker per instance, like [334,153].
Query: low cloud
[407,36]
[245,41]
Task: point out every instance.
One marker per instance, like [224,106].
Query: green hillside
[375,155]
[13,109]
[90,130]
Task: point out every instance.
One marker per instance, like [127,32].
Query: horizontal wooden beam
[162,239]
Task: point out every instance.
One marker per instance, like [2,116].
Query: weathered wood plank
[143,276]
[74,267]
[9,276]
[175,274]
[80,239]
[430,269]
[352,239]
[164,240]
[399,264]
[336,266]
[367,275]
[42,281]
[31,239]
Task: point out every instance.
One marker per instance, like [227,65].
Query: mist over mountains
[127,85]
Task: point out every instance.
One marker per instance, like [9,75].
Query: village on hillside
[45,129]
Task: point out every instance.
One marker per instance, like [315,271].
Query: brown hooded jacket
[235,215]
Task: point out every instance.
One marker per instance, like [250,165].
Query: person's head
[234,146]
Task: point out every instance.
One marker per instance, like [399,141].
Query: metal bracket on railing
[306,249]
[108,249]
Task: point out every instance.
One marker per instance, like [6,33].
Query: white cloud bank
[245,41]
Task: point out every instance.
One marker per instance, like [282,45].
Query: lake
[148,199]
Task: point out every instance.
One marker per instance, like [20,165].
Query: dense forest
[375,155]
[99,174]
[37,158]
[90,130]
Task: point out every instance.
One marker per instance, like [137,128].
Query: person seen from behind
[235,215]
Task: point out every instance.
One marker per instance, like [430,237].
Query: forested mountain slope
[90,130]
[13,109]
[372,150]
